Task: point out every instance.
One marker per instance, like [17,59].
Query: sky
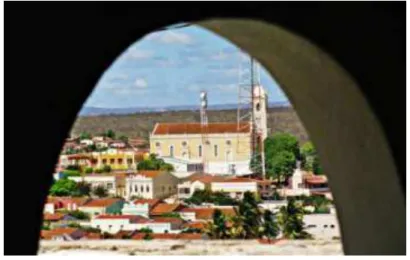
[171,67]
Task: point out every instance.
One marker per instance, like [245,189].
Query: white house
[151,184]
[197,181]
[107,181]
[139,207]
[236,187]
[114,223]
[87,142]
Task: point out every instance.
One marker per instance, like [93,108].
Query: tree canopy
[154,163]
[63,187]
[310,158]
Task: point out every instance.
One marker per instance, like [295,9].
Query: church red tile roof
[196,128]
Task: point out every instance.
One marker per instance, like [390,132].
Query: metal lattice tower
[249,78]
[204,127]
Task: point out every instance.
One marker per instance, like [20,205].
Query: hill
[280,119]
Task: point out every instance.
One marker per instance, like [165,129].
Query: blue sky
[171,67]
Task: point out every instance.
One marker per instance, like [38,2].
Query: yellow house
[220,148]
[116,159]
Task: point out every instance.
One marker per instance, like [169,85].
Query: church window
[200,151]
[228,142]
[147,188]
[136,188]
[184,143]
[258,106]
[216,150]
[171,151]
[157,144]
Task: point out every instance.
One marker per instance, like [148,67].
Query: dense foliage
[153,163]
[310,159]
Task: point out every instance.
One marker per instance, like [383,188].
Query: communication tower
[249,95]
[204,128]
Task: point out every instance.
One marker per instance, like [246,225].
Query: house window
[147,188]
[332,226]
[171,151]
[142,188]
[122,226]
[120,161]
[157,144]
[129,161]
[109,186]
[325,226]
[311,226]
[109,226]
[228,142]
[216,150]
[200,151]
[104,161]
[184,143]
[112,161]
[136,188]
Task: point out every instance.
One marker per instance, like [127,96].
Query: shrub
[88,170]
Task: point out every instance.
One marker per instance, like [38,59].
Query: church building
[216,148]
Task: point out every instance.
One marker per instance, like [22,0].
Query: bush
[79,215]
[88,170]
[72,173]
[206,196]
[106,168]
[98,170]
[73,167]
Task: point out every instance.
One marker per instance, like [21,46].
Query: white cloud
[140,83]
[138,54]
[170,37]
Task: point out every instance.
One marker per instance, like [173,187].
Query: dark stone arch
[78,43]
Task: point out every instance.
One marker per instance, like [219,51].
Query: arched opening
[366,238]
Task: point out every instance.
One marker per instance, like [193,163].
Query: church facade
[215,148]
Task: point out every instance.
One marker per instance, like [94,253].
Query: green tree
[290,219]
[310,158]
[270,227]
[154,164]
[88,170]
[100,191]
[281,153]
[217,228]
[124,138]
[106,168]
[251,214]
[85,135]
[79,215]
[63,187]
[110,133]
[82,189]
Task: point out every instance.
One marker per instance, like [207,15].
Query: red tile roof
[197,225]
[149,174]
[163,208]
[316,179]
[196,128]
[53,217]
[167,220]
[48,234]
[101,202]
[151,202]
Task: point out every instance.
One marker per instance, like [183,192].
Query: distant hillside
[280,119]
[95,111]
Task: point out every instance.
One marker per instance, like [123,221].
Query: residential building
[140,207]
[164,208]
[62,234]
[151,184]
[97,207]
[115,223]
[197,181]
[217,148]
[68,203]
[204,214]
[236,187]
[57,219]
[116,159]
[108,181]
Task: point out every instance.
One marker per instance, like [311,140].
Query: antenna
[204,127]
[249,79]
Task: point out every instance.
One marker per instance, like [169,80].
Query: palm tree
[248,209]
[270,227]
[290,220]
[236,228]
